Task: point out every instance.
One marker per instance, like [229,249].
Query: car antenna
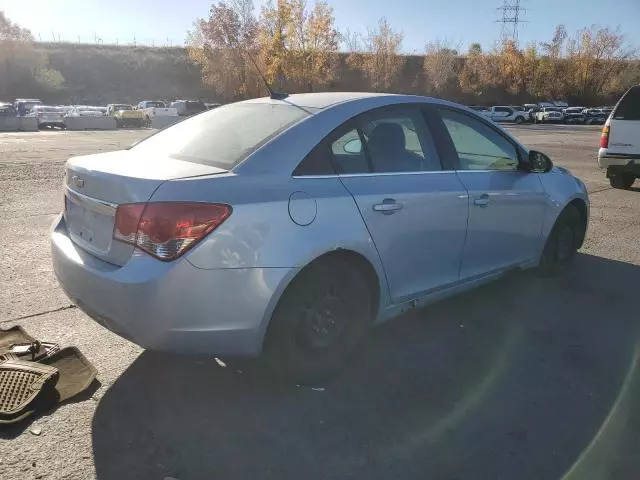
[273,95]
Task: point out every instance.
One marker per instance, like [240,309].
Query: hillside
[101,74]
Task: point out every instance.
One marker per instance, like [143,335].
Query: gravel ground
[525,378]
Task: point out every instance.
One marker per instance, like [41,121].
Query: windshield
[122,107]
[225,136]
[155,105]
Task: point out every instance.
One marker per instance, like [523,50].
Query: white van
[620,141]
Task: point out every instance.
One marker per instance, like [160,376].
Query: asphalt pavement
[526,378]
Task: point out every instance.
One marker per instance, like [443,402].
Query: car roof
[320,100]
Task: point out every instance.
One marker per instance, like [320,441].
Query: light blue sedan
[289,226]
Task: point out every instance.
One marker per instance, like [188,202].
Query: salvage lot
[526,378]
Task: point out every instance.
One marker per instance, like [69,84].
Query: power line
[511,18]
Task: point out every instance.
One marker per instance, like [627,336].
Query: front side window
[479,147]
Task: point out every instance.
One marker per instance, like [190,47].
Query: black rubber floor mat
[75,372]
[16,343]
[12,336]
[21,383]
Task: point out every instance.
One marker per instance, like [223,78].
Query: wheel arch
[581,206]
[374,278]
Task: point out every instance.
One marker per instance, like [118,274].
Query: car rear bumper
[607,159]
[170,306]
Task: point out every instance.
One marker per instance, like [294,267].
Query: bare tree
[378,56]
[221,45]
[439,66]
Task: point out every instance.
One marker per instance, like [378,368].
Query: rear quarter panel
[261,233]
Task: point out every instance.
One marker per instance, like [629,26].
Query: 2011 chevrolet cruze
[288,226]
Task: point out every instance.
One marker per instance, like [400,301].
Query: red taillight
[167,229]
[604,137]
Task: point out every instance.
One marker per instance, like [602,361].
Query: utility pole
[511,17]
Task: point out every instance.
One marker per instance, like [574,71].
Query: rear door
[415,211]
[624,126]
[506,204]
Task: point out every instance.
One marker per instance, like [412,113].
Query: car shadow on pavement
[513,380]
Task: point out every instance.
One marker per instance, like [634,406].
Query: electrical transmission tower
[511,17]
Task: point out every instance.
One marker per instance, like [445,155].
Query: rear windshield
[223,137]
[629,106]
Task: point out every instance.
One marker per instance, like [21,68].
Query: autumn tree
[595,58]
[298,44]
[222,44]
[440,66]
[23,69]
[377,55]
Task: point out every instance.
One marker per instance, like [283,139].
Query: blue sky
[459,22]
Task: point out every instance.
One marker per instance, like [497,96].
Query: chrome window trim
[374,174]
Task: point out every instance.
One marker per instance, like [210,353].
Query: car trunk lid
[96,184]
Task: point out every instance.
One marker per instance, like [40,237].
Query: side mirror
[539,162]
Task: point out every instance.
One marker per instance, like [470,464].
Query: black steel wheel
[319,322]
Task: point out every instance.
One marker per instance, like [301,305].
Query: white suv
[620,141]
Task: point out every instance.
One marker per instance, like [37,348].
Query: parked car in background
[574,115]
[24,105]
[606,110]
[506,114]
[7,110]
[549,114]
[155,108]
[86,111]
[186,108]
[49,116]
[620,141]
[594,116]
[125,115]
[322,209]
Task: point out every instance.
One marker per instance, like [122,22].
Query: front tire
[563,242]
[519,120]
[622,181]
[319,322]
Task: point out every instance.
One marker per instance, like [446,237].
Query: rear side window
[629,106]
[225,136]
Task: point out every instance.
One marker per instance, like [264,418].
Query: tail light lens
[167,230]
[604,137]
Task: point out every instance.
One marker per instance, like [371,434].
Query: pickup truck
[154,108]
[125,115]
[549,114]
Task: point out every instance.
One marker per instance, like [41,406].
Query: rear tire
[319,322]
[622,181]
[563,242]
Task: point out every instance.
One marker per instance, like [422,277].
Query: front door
[415,212]
[506,204]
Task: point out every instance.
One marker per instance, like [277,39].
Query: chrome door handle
[388,206]
[482,200]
